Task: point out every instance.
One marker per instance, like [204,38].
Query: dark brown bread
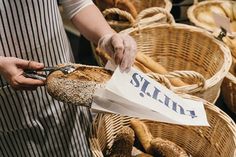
[123,143]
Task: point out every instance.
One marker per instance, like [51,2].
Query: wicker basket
[218,140]
[229,88]
[199,7]
[127,18]
[183,47]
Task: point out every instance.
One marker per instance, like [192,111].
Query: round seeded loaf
[78,86]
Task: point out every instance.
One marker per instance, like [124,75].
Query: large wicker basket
[218,140]
[229,83]
[184,47]
[127,19]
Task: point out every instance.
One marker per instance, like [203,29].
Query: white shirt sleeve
[72,7]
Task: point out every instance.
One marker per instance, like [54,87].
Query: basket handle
[117,11]
[155,18]
[195,76]
[181,74]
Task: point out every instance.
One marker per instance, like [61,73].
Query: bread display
[77,87]
[125,146]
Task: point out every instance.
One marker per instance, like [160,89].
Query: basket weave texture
[229,88]
[218,140]
[183,47]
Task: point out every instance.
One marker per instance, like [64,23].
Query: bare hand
[121,47]
[12,69]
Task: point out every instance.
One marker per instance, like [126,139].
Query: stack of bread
[125,142]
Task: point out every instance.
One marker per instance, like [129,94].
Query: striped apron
[33,124]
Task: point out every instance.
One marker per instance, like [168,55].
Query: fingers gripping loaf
[77,87]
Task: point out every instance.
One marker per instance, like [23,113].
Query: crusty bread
[77,87]
[123,143]
[162,147]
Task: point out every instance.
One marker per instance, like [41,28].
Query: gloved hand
[121,47]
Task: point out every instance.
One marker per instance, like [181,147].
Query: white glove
[121,47]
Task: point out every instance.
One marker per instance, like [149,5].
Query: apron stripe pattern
[32,124]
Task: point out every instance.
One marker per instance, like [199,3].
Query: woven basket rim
[193,19]
[227,54]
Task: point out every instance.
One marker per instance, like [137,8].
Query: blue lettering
[192,113]
[144,88]
[155,93]
[175,106]
[135,80]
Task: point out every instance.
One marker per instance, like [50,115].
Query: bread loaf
[143,133]
[166,148]
[123,143]
[77,87]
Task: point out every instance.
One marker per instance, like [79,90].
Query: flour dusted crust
[79,86]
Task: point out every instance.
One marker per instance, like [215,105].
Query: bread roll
[228,8]
[77,87]
[123,143]
[166,148]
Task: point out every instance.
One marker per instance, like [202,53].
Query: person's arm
[12,69]
[91,23]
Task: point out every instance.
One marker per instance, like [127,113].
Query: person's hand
[12,69]
[121,47]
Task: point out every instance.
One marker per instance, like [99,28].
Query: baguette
[141,67]
[77,87]
[157,68]
[228,8]
[143,133]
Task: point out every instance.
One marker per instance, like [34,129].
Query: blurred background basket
[121,14]
[218,140]
[200,14]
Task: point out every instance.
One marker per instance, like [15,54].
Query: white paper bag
[135,94]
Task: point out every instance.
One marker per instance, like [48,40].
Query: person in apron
[33,124]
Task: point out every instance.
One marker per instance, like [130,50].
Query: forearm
[91,23]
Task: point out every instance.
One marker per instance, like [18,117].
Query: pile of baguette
[125,143]
[227,9]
